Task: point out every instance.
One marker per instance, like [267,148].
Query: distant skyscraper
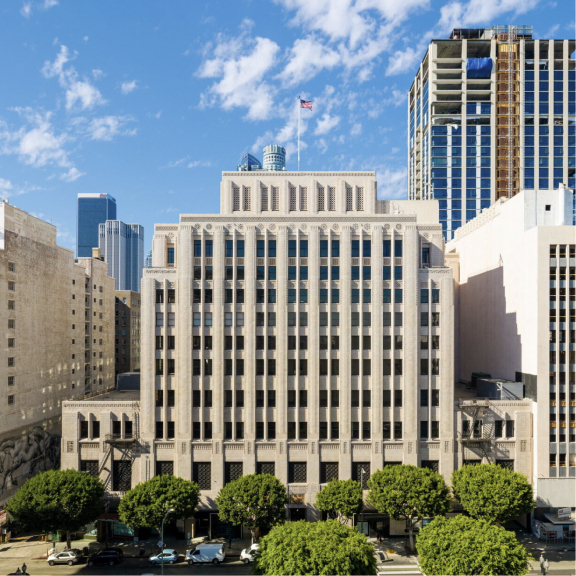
[490,112]
[122,247]
[148,260]
[93,210]
[274,158]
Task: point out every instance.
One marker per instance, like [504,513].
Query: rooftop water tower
[274,158]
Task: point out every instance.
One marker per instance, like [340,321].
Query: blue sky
[151,101]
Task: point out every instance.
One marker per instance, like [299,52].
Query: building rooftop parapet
[484,217]
[107,396]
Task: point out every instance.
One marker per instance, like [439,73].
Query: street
[232,566]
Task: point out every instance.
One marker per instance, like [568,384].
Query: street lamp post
[169,511]
[362,490]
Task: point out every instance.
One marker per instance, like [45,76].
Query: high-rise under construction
[490,112]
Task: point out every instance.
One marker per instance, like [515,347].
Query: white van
[206,553]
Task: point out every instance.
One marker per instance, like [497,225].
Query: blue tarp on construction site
[478,67]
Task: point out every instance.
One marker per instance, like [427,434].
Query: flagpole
[299,108]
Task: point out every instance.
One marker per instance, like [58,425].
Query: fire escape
[119,478]
[475,434]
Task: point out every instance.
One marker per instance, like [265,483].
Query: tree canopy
[57,500]
[340,499]
[463,545]
[315,548]
[147,503]
[408,493]
[492,492]
[256,500]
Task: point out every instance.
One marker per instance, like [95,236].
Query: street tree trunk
[68,539]
[254,533]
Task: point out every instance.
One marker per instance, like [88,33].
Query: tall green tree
[55,500]
[492,492]
[147,503]
[258,501]
[463,545]
[340,499]
[315,548]
[408,493]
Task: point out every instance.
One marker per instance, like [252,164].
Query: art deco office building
[490,112]
[305,331]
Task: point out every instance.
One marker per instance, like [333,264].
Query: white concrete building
[57,321]
[305,331]
[515,267]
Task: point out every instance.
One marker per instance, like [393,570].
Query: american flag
[306,104]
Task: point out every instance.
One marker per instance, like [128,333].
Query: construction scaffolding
[508,111]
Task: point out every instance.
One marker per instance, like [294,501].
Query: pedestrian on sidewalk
[229,542]
[379,537]
[24,568]
[544,565]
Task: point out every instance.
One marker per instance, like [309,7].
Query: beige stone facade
[127,331]
[515,269]
[305,331]
[56,317]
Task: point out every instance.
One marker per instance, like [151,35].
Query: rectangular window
[435,429]
[387,430]
[398,398]
[424,429]
[397,430]
[509,428]
[423,398]
[297,473]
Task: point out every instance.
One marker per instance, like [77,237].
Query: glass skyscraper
[93,210]
[490,112]
[122,247]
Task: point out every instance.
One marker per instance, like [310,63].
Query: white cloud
[402,62]
[8,190]
[175,163]
[5,187]
[86,38]
[356,129]
[392,184]
[97,74]
[77,91]
[39,145]
[307,57]
[358,30]
[26,9]
[56,68]
[85,93]
[128,87]
[72,175]
[326,124]
[473,12]
[240,64]
[107,127]
[199,164]
[49,4]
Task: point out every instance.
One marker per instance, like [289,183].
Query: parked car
[71,556]
[119,550]
[107,556]
[168,556]
[206,553]
[247,555]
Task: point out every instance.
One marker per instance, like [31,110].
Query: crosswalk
[393,569]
